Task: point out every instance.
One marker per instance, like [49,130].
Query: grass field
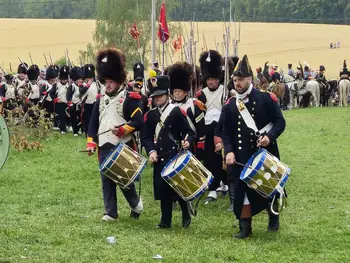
[51,207]
[277,43]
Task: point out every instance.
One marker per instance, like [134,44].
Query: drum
[187,176]
[123,165]
[265,173]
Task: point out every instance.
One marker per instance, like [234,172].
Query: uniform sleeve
[226,135]
[70,93]
[2,90]
[201,96]
[53,94]
[198,119]
[147,134]
[94,123]
[133,115]
[276,117]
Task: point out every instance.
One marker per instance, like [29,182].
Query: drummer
[166,131]
[241,143]
[121,110]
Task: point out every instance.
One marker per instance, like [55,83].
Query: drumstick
[180,151]
[109,130]
[245,165]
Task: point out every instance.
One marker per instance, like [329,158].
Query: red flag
[163,31]
[134,31]
[177,43]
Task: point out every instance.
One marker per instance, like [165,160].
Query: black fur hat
[139,70]
[243,68]
[345,69]
[89,71]
[210,64]
[50,73]
[181,75]
[111,65]
[32,74]
[75,73]
[64,73]
[22,68]
[57,70]
[159,85]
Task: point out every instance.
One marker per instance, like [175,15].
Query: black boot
[274,220]
[245,228]
[186,222]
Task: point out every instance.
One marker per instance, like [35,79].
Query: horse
[332,91]
[344,89]
[281,90]
[299,88]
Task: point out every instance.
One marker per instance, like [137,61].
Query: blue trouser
[109,188]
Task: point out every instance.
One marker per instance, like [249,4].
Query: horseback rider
[307,73]
[291,71]
[321,78]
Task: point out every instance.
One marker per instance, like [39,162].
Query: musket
[10,67]
[47,64]
[31,60]
[51,59]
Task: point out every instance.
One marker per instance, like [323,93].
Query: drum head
[176,164]
[253,165]
[4,142]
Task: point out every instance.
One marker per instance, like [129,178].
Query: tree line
[302,11]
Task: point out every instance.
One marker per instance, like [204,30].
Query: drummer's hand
[153,157]
[263,141]
[230,158]
[218,147]
[185,145]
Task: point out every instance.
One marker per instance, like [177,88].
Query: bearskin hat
[139,70]
[89,71]
[32,74]
[181,76]
[50,73]
[57,70]
[243,68]
[64,73]
[210,64]
[75,73]
[111,65]
[35,67]
[22,68]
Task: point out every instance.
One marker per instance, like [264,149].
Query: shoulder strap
[249,121]
[163,118]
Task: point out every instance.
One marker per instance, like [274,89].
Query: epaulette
[98,96]
[135,95]
[200,105]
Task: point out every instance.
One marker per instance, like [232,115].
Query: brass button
[160,138]
[239,116]
[239,135]
[161,149]
[239,148]
[251,133]
[173,147]
[239,123]
[252,108]
[254,102]
[251,140]
[239,141]
[239,129]
[162,160]
[169,126]
[252,115]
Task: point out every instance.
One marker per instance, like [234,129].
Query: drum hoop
[177,169]
[250,162]
[116,148]
[281,183]
[200,191]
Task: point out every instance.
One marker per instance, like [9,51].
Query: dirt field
[277,43]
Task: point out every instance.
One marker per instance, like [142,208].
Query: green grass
[51,206]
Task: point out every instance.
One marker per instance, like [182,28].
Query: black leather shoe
[163,226]
[134,215]
[245,228]
[186,223]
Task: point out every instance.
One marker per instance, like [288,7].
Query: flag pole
[163,48]
[153,30]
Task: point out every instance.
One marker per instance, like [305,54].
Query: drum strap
[282,201]
[163,117]
[249,121]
